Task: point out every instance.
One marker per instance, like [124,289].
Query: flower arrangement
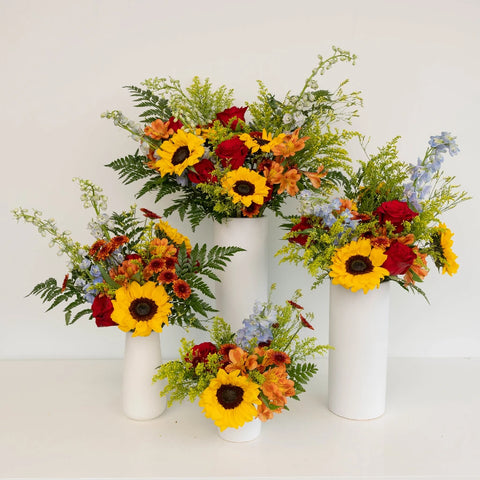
[248,374]
[139,275]
[383,226]
[195,141]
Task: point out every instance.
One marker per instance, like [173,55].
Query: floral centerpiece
[138,274]
[383,226]
[230,161]
[248,374]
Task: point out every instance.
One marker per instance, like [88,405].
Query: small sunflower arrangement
[249,374]
[230,161]
[139,274]
[384,226]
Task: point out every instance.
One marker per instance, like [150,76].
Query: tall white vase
[245,278]
[246,433]
[141,397]
[357,367]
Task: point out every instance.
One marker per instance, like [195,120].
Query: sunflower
[181,151]
[357,266]
[264,141]
[450,266]
[245,186]
[141,308]
[230,400]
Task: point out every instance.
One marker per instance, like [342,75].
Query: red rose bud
[400,258]
[102,309]
[396,213]
[232,152]
[236,113]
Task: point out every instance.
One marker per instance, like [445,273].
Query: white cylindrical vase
[141,397]
[357,365]
[249,431]
[245,278]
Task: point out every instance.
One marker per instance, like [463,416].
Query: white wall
[65,62]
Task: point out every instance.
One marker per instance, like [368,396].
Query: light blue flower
[95,271]
[85,263]
[182,180]
[118,257]
[257,326]
[90,296]
[80,282]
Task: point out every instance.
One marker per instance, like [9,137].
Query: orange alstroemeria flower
[419,268]
[290,145]
[264,413]
[273,173]
[161,248]
[277,387]
[346,203]
[407,239]
[158,130]
[289,181]
[241,360]
[316,177]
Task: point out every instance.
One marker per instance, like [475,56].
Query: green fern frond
[156,107]
[131,168]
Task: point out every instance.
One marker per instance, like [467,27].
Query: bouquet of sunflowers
[139,274]
[194,141]
[248,374]
[383,226]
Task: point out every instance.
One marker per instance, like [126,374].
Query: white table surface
[63,419]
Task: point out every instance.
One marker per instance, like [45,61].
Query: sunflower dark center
[244,188]
[180,155]
[229,396]
[358,265]
[261,141]
[143,309]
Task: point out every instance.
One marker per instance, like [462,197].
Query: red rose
[400,258]
[202,173]
[396,213]
[304,224]
[233,112]
[174,124]
[232,152]
[200,353]
[102,309]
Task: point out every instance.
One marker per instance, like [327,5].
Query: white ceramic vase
[245,278]
[357,367]
[249,431]
[141,397]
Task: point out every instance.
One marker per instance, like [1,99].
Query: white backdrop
[65,62]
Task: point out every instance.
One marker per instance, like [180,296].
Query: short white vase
[250,431]
[245,278]
[141,397]
[357,367]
